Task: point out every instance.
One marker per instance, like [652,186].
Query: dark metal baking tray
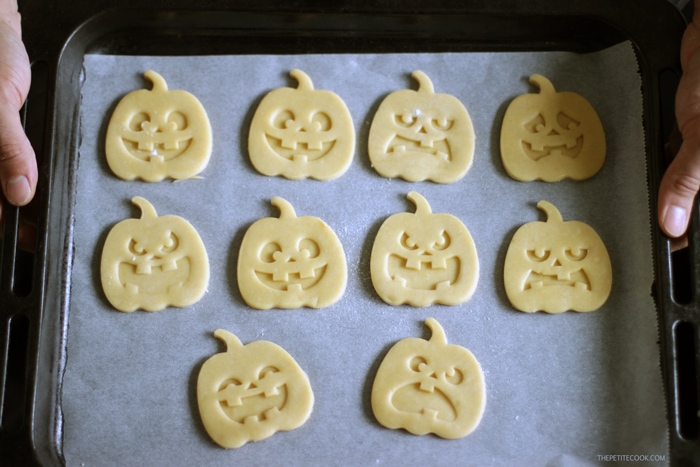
[35,287]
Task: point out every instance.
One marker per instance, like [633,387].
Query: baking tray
[35,293]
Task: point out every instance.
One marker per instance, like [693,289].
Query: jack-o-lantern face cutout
[551,136]
[423,258]
[291,262]
[300,133]
[420,135]
[153,262]
[249,393]
[429,387]
[156,134]
[555,266]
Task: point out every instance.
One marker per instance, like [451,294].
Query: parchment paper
[561,389]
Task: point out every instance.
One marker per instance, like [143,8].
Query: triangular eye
[536,125]
[170,244]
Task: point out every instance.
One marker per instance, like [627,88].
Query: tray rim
[81,32]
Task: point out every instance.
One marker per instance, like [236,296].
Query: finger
[678,189]
[18,170]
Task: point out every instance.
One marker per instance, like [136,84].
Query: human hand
[681,182]
[18,170]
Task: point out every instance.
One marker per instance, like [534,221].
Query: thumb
[18,170]
[679,186]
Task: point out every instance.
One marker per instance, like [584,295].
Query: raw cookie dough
[556,266]
[249,393]
[423,258]
[291,262]
[429,387]
[158,134]
[153,262]
[302,132]
[420,135]
[551,136]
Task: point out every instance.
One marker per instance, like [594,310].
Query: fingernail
[17,190]
[675,220]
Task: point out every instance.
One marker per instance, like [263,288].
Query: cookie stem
[229,339]
[158,81]
[147,209]
[286,209]
[437,330]
[553,214]
[424,83]
[303,80]
[422,206]
[545,85]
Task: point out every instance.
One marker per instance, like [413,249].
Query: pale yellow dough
[153,262]
[423,258]
[252,391]
[421,135]
[429,387]
[157,134]
[302,133]
[291,262]
[555,266]
[551,136]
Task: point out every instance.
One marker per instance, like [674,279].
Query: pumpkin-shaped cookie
[551,136]
[153,262]
[423,258]
[252,391]
[291,262]
[555,266]
[156,134]
[300,133]
[429,386]
[421,135]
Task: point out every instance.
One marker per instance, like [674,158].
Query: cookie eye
[417,364]
[267,253]
[538,255]
[576,254]
[443,242]
[268,370]
[407,242]
[454,376]
[407,118]
[442,124]
[136,248]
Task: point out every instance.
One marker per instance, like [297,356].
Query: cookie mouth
[427,276]
[167,276]
[256,406]
[432,405]
[302,153]
[405,147]
[292,281]
[577,279]
[158,150]
[560,147]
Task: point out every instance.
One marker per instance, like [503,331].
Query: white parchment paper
[561,389]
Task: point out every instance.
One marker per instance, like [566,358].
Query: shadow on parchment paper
[498,270]
[194,404]
[365,261]
[369,382]
[232,264]
[495,137]
[244,131]
[362,135]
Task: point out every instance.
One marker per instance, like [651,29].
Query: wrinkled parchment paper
[561,389]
